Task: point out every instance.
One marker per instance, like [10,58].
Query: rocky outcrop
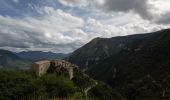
[41,67]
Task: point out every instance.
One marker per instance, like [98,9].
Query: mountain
[24,60]
[102,48]
[11,60]
[138,66]
[37,55]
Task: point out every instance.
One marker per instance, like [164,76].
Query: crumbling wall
[67,65]
[41,67]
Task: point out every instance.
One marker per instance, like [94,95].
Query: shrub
[58,86]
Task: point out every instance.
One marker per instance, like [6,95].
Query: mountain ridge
[101,48]
[134,65]
[10,60]
[37,55]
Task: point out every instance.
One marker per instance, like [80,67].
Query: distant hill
[138,66]
[24,60]
[37,55]
[11,60]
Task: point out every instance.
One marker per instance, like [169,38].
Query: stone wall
[66,65]
[41,67]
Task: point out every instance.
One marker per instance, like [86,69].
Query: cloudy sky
[65,25]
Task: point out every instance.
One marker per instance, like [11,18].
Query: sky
[62,26]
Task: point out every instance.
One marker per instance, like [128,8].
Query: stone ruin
[41,67]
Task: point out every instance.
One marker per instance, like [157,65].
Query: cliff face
[59,66]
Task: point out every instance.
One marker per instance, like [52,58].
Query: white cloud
[109,28]
[160,6]
[60,31]
[141,7]
[161,11]
[73,3]
[152,10]
[46,32]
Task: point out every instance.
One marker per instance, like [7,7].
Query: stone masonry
[41,67]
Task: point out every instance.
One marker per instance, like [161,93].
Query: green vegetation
[58,86]
[82,80]
[59,70]
[16,85]
[19,85]
[104,92]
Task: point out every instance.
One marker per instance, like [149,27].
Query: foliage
[19,85]
[83,81]
[16,85]
[59,70]
[58,86]
[104,92]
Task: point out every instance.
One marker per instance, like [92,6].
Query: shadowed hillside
[138,65]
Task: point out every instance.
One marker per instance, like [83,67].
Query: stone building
[41,67]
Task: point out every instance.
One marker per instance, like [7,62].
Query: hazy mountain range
[37,55]
[11,60]
[24,60]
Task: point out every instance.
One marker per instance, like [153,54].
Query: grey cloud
[164,19]
[140,7]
